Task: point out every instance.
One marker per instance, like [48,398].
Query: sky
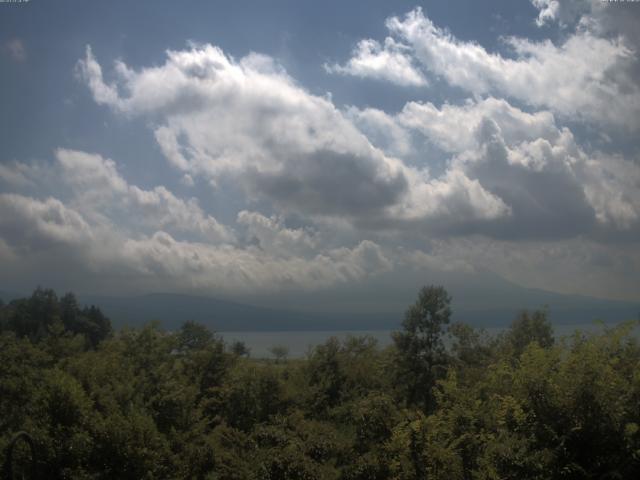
[286,148]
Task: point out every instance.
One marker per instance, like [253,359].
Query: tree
[471,351]
[280,352]
[420,353]
[44,315]
[195,336]
[93,324]
[240,349]
[250,395]
[530,327]
[88,321]
[69,310]
[31,317]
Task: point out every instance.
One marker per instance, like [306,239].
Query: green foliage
[530,327]
[232,448]
[420,352]
[417,450]
[251,396]
[340,372]
[279,352]
[147,403]
[240,349]
[42,315]
[194,336]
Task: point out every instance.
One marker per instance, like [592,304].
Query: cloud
[16,174]
[613,20]
[107,228]
[101,192]
[448,204]
[535,179]
[272,236]
[249,123]
[573,266]
[452,127]
[15,49]
[553,186]
[612,185]
[564,12]
[159,261]
[31,228]
[391,62]
[91,71]
[586,77]
[383,131]
[312,195]
[232,270]
[353,193]
[248,120]
[510,173]
[531,175]
[28,224]
[266,256]
[47,233]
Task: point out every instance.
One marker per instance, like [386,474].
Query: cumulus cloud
[268,256]
[89,233]
[28,224]
[16,174]
[248,122]
[391,62]
[553,186]
[231,270]
[101,192]
[91,71]
[617,20]
[450,203]
[503,172]
[30,228]
[383,131]
[612,185]
[531,174]
[452,127]
[588,76]
[511,173]
[273,236]
[564,12]
[573,266]
[535,179]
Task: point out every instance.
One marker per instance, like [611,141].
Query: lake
[299,342]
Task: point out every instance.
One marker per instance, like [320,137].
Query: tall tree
[530,327]
[420,354]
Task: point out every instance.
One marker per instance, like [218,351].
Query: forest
[444,401]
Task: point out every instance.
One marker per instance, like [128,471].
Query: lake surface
[300,342]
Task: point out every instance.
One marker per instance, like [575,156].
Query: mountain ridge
[172,309]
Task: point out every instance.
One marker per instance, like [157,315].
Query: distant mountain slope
[481,298]
[493,304]
[221,315]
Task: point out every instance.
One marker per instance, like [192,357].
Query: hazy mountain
[223,315]
[486,300]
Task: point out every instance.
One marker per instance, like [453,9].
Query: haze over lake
[299,344]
